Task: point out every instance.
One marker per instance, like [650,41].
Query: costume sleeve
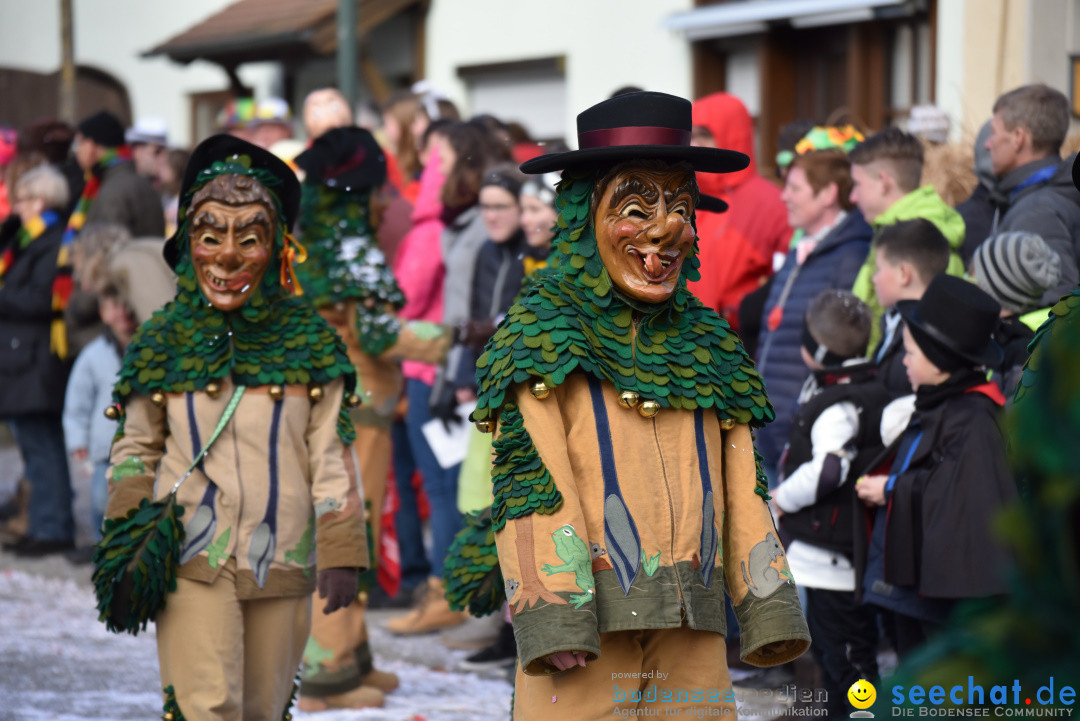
[421,341]
[340,536]
[827,470]
[135,455]
[546,566]
[79,404]
[759,582]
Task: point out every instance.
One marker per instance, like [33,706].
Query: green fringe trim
[761,482]
[171,710]
[273,339]
[679,353]
[522,484]
[472,574]
[135,564]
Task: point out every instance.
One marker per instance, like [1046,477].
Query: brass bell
[352,400]
[158,399]
[277,392]
[213,389]
[648,409]
[628,399]
[113,412]
[485,426]
[316,393]
[726,424]
[540,390]
[168,716]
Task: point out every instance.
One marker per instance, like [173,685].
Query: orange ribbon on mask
[292,252]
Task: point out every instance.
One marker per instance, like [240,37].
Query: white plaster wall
[111,35]
[607,44]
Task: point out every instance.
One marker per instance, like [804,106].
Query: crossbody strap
[229,409]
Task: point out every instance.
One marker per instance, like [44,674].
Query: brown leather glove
[338,587]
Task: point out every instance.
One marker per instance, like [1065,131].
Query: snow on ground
[58,663]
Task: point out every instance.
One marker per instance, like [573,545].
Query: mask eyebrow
[205,217]
[260,218]
[634,186]
[686,188]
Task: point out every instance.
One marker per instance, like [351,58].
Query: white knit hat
[1016,268]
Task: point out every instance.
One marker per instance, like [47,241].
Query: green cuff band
[773,628]
[551,628]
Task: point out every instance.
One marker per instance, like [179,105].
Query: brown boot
[431,614]
[369,676]
[360,697]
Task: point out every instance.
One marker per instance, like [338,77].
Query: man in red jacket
[737,247]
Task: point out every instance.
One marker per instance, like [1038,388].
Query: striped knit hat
[1016,269]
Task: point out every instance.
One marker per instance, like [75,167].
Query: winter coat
[736,248]
[263,494]
[889,355]
[89,392]
[461,243]
[1013,336]
[978,213]
[939,538]
[33,377]
[1048,207]
[660,533]
[418,264]
[923,203]
[126,198]
[834,263]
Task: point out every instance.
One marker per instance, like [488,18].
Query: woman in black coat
[32,392]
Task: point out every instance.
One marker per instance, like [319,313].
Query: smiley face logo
[862,694]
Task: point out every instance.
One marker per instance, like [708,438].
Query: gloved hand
[475,333]
[338,587]
[445,409]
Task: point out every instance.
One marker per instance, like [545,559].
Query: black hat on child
[103,128]
[237,155]
[641,126]
[954,317]
[345,158]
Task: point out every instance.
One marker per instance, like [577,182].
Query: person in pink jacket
[419,270]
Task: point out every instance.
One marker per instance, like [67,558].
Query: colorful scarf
[63,284]
[30,231]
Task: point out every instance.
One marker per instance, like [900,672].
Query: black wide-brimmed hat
[957,315]
[634,126]
[348,158]
[229,155]
[1076,171]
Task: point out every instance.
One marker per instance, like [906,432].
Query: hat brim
[711,204]
[990,355]
[705,160]
[1076,171]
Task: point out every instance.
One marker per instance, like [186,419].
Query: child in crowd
[886,170]
[87,432]
[834,436]
[1016,269]
[933,542]
[908,255]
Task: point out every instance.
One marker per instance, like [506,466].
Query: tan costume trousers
[228,659]
[337,658]
[665,673]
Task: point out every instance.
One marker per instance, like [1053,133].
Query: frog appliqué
[576,559]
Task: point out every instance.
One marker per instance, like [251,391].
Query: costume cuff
[773,629]
[553,628]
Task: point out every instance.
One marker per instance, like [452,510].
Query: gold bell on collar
[213,389]
[316,393]
[726,424]
[540,390]
[276,392]
[628,399]
[648,409]
[485,426]
[158,399]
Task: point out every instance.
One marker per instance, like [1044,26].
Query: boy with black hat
[238,366]
[932,542]
[627,496]
[835,435]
